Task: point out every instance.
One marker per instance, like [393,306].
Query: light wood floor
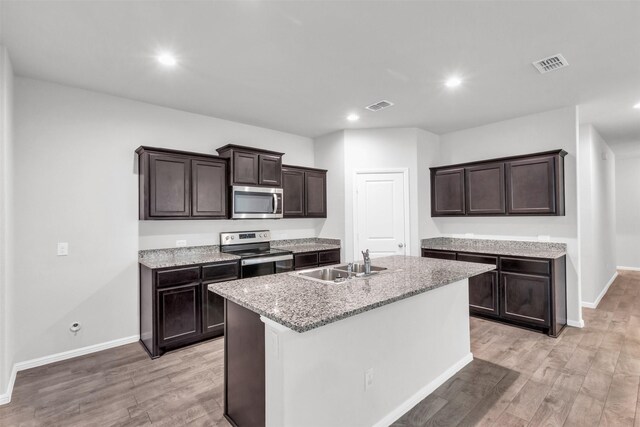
[587,377]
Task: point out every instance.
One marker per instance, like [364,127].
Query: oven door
[253,267]
[256,202]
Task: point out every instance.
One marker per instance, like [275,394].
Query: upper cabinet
[304,192]
[523,185]
[252,166]
[447,192]
[181,185]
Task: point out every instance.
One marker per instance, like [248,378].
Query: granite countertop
[313,244]
[175,257]
[303,304]
[548,250]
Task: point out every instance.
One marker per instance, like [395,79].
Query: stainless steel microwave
[256,202]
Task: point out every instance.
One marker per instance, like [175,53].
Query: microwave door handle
[275,203]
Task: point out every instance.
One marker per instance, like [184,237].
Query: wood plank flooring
[587,377]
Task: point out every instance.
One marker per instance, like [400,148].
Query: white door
[382,220]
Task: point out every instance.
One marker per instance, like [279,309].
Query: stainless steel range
[257,257]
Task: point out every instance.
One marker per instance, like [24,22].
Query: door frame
[407,212]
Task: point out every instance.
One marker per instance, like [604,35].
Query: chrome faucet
[367,262]
[349,270]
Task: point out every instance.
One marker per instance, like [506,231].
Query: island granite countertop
[547,250]
[302,304]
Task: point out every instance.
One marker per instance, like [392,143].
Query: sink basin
[326,275]
[359,268]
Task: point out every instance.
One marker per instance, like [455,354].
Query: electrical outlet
[368,379]
[63,248]
[181,243]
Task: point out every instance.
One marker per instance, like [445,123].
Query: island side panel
[317,378]
[244,367]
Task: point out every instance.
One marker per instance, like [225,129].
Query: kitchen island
[300,352]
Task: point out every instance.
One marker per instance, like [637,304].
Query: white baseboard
[6,397]
[620,267]
[33,363]
[604,291]
[424,392]
[575,323]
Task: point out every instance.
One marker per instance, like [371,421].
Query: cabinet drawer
[220,272]
[520,265]
[177,276]
[305,260]
[481,259]
[438,254]
[329,257]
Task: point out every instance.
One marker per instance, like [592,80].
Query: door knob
[401,245]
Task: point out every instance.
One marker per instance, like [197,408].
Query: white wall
[377,149]
[76,182]
[428,156]
[597,225]
[329,153]
[6,232]
[529,134]
[628,209]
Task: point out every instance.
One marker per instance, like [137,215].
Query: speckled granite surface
[312,244]
[302,304]
[499,247]
[175,257]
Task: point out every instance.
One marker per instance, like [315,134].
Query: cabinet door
[293,192]
[212,303]
[168,186]
[447,192]
[245,168]
[209,188]
[525,298]
[484,288]
[485,189]
[270,170]
[178,313]
[316,194]
[531,186]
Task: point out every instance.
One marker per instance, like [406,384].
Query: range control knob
[231,237]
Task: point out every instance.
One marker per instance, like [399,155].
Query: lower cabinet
[528,292]
[313,259]
[176,307]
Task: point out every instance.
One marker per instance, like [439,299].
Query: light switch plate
[63,248]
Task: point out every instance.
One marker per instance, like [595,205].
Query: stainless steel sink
[326,275]
[359,268]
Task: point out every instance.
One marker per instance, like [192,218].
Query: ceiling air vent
[381,105]
[550,63]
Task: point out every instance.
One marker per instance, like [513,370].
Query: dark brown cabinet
[209,189]
[180,185]
[304,192]
[529,292]
[447,192]
[534,186]
[313,259]
[485,189]
[253,166]
[522,185]
[178,313]
[176,307]
[168,185]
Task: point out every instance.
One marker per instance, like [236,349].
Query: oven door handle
[264,260]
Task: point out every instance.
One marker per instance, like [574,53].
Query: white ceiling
[302,66]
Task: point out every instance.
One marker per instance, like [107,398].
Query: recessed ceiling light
[353,117]
[637,106]
[453,82]
[167,59]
